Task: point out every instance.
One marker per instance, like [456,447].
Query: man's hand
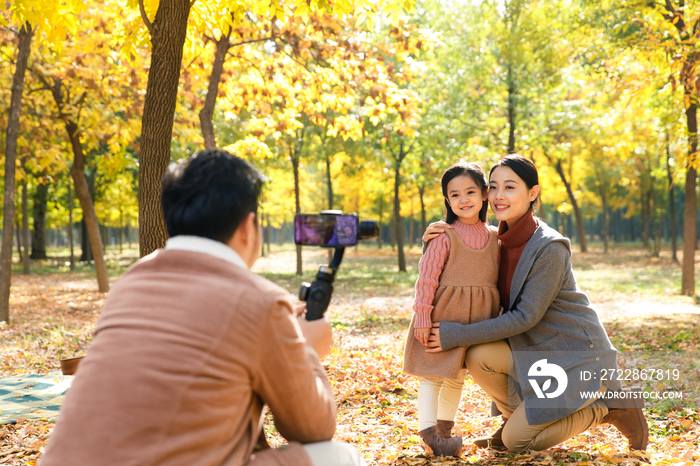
[434,339]
[422,335]
[318,334]
[300,309]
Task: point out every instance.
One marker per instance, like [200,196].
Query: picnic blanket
[32,396]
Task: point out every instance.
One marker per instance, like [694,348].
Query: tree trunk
[671,201]
[25,40]
[329,180]
[604,198]
[421,194]
[39,214]
[297,206]
[410,230]
[206,115]
[18,232]
[262,232]
[85,249]
[25,227]
[511,110]
[379,223]
[689,216]
[646,208]
[70,226]
[82,191]
[169,31]
[398,224]
[577,210]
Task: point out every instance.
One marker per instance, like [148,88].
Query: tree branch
[144,17]
[251,41]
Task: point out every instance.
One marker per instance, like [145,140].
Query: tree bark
[85,249]
[577,210]
[206,115]
[398,224]
[18,232]
[82,191]
[329,180]
[169,30]
[604,199]
[511,110]
[379,223]
[39,215]
[70,226]
[297,203]
[295,147]
[25,227]
[646,192]
[421,195]
[25,41]
[689,215]
[671,201]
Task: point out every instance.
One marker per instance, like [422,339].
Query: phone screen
[325,230]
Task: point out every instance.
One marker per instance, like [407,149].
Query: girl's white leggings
[438,398]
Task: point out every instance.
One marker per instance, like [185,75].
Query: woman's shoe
[494,441]
[444,428]
[632,424]
[434,445]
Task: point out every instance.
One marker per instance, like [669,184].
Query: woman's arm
[541,287]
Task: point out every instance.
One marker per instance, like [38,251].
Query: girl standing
[457,282]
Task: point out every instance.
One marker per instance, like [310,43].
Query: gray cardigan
[548,317]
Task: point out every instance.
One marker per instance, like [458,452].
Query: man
[190,344]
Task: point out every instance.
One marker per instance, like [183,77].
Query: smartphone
[329,230]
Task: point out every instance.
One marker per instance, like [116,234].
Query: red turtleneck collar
[520,233]
[513,243]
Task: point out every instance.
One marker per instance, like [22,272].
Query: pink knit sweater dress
[457,282]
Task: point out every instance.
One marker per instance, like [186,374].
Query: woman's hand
[434,339]
[422,335]
[434,229]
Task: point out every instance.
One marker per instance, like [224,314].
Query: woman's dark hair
[525,169]
[473,171]
[210,194]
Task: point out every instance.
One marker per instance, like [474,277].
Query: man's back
[186,350]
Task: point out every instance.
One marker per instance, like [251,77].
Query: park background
[358,106]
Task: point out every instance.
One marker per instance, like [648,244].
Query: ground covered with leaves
[54,312]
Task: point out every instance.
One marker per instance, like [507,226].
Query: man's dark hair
[210,194]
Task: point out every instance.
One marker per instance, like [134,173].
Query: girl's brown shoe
[434,445]
[444,428]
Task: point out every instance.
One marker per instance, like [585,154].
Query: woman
[548,331]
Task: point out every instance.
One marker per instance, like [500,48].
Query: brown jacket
[187,350]
[466,294]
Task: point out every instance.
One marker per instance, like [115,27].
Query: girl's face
[509,196]
[465,199]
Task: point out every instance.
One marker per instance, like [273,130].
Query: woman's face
[509,196]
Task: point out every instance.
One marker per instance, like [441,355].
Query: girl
[457,282]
